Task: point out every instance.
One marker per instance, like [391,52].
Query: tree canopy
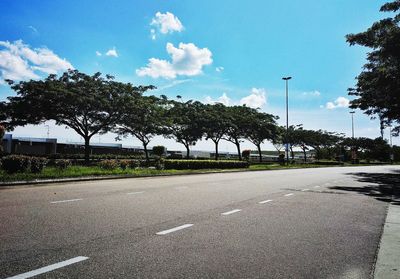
[377,90]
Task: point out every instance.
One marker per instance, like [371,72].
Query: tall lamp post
[286,79]
[353,151]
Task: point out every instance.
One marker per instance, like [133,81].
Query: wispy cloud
[112,52]
[340,102]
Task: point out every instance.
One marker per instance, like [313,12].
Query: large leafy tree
[239,118]
[142,117]
[262,126]
[377,90]
[184,123]
[215,123]
[88,104]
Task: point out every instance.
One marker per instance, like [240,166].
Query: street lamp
[353,152]
[286,79]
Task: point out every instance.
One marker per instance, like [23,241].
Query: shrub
[246,154]
[124,164]
[16,163]
[108,164]
[133,164]
[204,164]
[37,164]
[63,164]
[159,150]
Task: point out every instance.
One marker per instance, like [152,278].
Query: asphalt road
[305,223]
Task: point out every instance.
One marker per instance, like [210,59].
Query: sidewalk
[388,262]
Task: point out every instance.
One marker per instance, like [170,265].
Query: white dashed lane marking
[174,229]
[48,268]
[231,212]
[266,201]
[135,193]
[288,195]
[74,200]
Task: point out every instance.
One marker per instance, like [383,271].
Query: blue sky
[231,51]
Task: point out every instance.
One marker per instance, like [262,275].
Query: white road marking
[261,202]
[134,193]
[231,212]
[317,186]
[288,195]
[74,200]
[174,229]
[305,190]
[48,268]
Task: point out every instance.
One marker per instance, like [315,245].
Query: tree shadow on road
[382,186]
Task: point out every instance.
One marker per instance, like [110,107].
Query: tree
[238,121]
[262,126]
[215,123]
[184,123]
[378,85]
[87,104]
[2,132]
[142,117]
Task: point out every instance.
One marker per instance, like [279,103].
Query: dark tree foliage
[184,123]
[238,121]
[142,117]
[87,104]
[377,90]
[215,123]
[261,127]
[2,132]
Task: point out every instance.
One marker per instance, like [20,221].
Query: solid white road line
[66,201]
[288,195]
[48,268]
[317,186]
[305,190]
[174,229]
[134,193]
[261,202]
[231,212]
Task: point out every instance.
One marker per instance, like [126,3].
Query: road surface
[304,223]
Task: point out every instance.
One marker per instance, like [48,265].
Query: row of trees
[92,105]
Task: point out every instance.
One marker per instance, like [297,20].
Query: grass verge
[83,171]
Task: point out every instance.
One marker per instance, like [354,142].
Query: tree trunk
[305,155]
[237,143]
[87,149]
[259,152]
[146,152]
[187,151]
[292,153]
[216,150]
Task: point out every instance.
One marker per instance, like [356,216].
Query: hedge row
[20,163]
[204,164]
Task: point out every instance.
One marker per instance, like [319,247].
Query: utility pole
[353,151]
[286,79]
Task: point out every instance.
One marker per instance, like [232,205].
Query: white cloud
[256,99]
[314,93]
[19,62]
[340,102]
[98,53]
[219,69]
[165,23]
[186,60]
[224,99]
[112,52]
